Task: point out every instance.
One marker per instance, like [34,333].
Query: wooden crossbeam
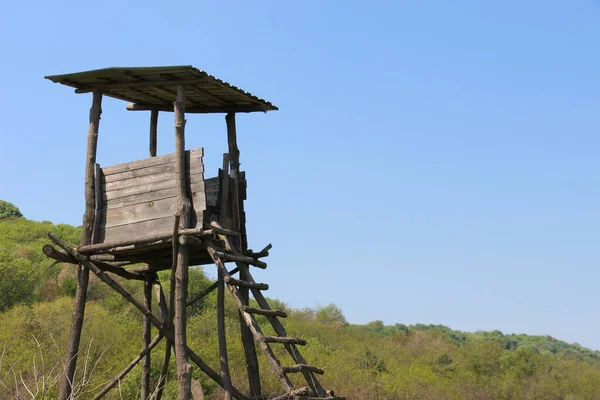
[198,110]
[150,241]
[57,255]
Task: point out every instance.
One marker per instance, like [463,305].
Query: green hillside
[372,361]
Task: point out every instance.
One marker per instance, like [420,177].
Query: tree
[9,210]
[17,281]
[331,314]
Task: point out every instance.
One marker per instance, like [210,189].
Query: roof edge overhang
[155,88]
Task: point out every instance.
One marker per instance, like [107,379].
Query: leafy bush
[69,286]
[18,281]
[9,210]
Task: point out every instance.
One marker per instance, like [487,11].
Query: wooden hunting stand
[161,212]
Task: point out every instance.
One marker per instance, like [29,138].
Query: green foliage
[331,314]
[372,361]
[9,210]
[25,276]
[18,281]
[69,286]
[454,336]
[197,283]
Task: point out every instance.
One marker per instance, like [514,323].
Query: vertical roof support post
[148,280]
[238,206]
[153,132]
[252,366]
[234,152]
[221,289]
[90,163]
[66,384]
[184,368]
[185,205]
[234,162]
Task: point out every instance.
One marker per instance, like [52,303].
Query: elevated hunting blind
[161,213]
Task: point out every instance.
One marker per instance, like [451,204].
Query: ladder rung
[249,285]
[283,339]
[240,258]
[302,367]
[272,313]
[324,398]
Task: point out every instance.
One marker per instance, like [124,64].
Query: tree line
[372,361]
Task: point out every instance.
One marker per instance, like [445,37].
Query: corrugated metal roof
[156,88]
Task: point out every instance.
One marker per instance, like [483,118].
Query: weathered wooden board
[147,162]
[147,197]
[149,210]
[139,199]
[195,158]
[147,179]
[211,187]
[149,187]
[136,230]
[149,227]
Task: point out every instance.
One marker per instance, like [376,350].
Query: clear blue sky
[432,161]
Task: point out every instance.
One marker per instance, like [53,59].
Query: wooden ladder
[229,253]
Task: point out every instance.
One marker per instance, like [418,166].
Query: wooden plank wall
[212,191]
[139,198]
